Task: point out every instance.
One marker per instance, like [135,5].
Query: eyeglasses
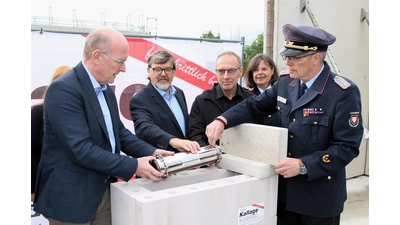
[158,70]
[231,71]
[296,58]
[116,60]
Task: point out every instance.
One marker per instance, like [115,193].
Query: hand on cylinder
[163,152]
[184,145]
[146,170]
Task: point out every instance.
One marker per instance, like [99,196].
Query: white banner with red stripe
[195,64]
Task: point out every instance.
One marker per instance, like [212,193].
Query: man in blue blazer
[84,138]
[324,128]
[159,111]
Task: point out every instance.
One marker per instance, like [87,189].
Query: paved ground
[356,208]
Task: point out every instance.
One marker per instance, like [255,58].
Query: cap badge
[290,44]
[284,72]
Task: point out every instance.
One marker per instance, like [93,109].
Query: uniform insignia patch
[325,158]
[312,111]
[284,72]
[341,82]
[354,120]
[281,99]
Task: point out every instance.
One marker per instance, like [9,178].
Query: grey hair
[161,57]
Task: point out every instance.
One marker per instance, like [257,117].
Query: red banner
[186,70]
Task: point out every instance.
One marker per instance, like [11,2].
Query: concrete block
[246,166]
[123,201]
[184,178]
[260,143]
[242,189]
[213,200]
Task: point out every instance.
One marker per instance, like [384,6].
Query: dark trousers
[292,218]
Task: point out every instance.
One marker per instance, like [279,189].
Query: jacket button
[329,177]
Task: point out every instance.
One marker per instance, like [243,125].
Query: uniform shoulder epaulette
[341,82]
[284,73]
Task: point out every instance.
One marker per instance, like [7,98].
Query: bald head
[105,53]
[105,39]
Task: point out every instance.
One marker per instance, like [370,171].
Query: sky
[232,19]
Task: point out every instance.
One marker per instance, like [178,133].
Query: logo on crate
[251,214]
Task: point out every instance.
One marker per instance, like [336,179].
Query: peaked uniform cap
[302,39]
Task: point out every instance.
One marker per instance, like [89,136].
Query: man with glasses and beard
[322,112]
[159,110]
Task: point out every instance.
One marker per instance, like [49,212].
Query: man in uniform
[324,128]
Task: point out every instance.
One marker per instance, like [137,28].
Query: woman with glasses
[261,74]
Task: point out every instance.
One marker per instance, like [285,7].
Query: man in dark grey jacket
[84,137]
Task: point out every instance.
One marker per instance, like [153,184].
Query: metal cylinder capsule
[184,161]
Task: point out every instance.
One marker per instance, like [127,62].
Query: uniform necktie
[303,89]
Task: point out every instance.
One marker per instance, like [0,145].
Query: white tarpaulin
[195,60]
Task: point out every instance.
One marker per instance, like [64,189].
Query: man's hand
[288,167]
[184,145]
[214,130]
[163,153]
[146,170]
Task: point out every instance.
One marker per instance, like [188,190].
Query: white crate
[241,190]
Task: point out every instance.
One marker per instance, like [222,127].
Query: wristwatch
[302,170]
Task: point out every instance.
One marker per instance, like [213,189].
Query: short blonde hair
[59,71]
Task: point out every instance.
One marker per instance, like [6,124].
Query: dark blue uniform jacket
[324,130]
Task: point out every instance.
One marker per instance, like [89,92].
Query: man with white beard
[159,111]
